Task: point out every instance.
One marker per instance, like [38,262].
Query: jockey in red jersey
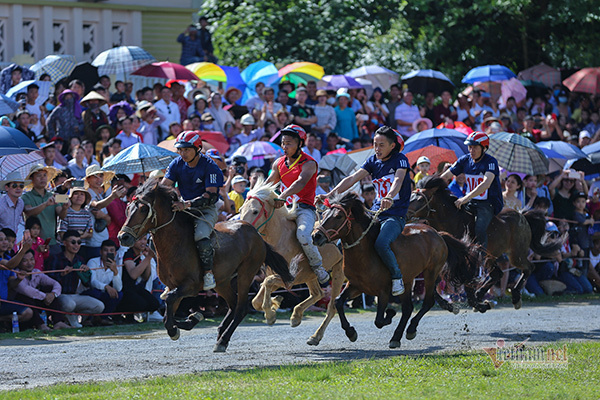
[297,173]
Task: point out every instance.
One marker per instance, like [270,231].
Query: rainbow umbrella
[208,71]
[301,72]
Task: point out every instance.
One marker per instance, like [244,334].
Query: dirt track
[29,363]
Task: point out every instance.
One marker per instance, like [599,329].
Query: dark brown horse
[420,249]
[239,253]
[510,232]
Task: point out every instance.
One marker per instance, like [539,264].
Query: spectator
[117,209]
[151,120]
[178,98]
[106,282]
[311,91]
[88,148]
[257,101]
[103,134]
[427,110]
[406,114]
[199,106]
[310,149]
[579,237]
[283,98]
[37,120]
[421,124]
[207,123]
[594,266]
[49,152]
[77,86]
[221,116]
[206,41]
[41,203]
[324,182]
[196,122]
[561,190]
[77,218]
[395,101]
[346,120]
[551,130]
[138,276]
[326,117]
[127,136]
[38,245]
[269,108]
[249,134]
[114,147]
[76,273]
[77,164]
[11,203]
[463,109]
[282,118]
[256,174]
[237,195]
[23,118]
[584,139]
[444,111]
[289,87]
[8,280]
[423,166]
[93,117]
[232,98]
[377,105]
[594,126]
[65,120]
[514,185]
[168,109]
[458,186]
[120,94]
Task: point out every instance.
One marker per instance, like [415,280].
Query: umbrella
[592,151]
[541,73]
[260,71]
[367,85]
[586,80]
[584,165]
[207,71]
[86,73]
[517,154]
[301,72]
[7,105]
[379,76]
[122,59]
[567,150]
[457,126]
[215,139]
[513,88]
[140,158]
[425,80]
[349,162]
[234,78]
[21,87]
[13,141]
[335,82]
[57,66]
[445,138]
[556,161]
[258,150]
[19,162]
[435,154]
[166,70]
[488,73]
[535,88]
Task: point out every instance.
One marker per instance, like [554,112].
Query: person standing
[345,126]
[406,114]
[206,41]
[169,110]
[11,203]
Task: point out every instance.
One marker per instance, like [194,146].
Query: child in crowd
[238,184]
[38,245]
[11,236]
[572,272]
[423,165]
[594,267]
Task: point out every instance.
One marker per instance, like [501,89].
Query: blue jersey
[192,182]
[383,174]
[475,171]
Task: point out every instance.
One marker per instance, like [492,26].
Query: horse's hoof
[276,302]
[294,322]
[271,320]
[410,335]
[352,334]
[198,316]
[455,308]
[394,344]
[219,348]
[380,324]
[518,304]
[313,341]
[174,335]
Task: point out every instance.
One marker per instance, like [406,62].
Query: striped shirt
[76,220]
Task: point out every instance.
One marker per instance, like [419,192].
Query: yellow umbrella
[208,71]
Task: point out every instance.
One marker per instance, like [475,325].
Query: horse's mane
[435,181]
[267,192]
[153,187]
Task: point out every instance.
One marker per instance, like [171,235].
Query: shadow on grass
[547,336]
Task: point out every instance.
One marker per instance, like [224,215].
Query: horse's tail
[462,265]
[278,264]
[540,242]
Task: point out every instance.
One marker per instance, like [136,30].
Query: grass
[441,376]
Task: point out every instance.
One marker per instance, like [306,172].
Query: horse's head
[143,212]
[336,220]
[420,200]
[258,207]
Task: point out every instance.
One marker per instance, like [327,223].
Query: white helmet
[422,160]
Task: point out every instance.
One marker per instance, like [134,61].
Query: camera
[77,183]
[239,169]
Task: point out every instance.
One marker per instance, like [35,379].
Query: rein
[330,233]
[263,210]
[427,205]
[136,229]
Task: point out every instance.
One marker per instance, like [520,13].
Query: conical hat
[96,170]
[92,96]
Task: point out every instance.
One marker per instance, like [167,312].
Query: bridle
[136,229]
[420,193]
[331,233]
[263,210]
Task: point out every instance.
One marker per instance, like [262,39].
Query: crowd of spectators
[65,215]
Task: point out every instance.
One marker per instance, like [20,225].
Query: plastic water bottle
[15,322]
[44,317]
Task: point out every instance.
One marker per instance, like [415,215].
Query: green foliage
[452,36]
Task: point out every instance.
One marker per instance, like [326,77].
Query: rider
[484,195]
[388,167]
[297,173]
[198,179]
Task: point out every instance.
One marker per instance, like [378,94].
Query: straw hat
[88,196]
[14,176]
[157,173]
[96,170]
[93,96]
[143,105]
[51,171]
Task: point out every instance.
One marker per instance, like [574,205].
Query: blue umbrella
[593,152]
[488,73]
[260,71]
[13,141]
[21,87]
[140,158]
[445,138]
[425,80]
[556,161]
[565,149]
[7,105]
[234,78]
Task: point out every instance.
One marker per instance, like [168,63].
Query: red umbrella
[167,70]
[435,154]
[214,139]
[586,80]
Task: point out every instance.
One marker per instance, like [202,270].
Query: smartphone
[77,183]
[111,256]
[61,198]
[47,241]
[574,175]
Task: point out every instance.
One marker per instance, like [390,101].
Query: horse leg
[315,294]
[428,302]
[172,301]
[407,309]
[270,284]
[257,301]
[337,280]
[443,303]
[384,315]
[516,291]
[472,301]
[227,293]
[349,292]
[493,278]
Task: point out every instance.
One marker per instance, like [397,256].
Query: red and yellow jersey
[290,174]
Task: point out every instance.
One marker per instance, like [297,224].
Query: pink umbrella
[541,73]
[513,88]
[167,70]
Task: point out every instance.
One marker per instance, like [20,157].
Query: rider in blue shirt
[388,168]
[198,179]
[484,195]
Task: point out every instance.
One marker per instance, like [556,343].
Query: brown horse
[510,232]
[420,249]
[278,228]
[239,254]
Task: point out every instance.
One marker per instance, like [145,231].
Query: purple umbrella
[335,82]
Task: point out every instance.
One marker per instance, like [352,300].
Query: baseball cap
[584,134]
[238,179]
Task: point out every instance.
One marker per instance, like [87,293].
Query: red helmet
[295,130]
[478,138]
[400,140]
[189,139]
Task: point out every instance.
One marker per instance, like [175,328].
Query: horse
[509,232]
[239,253]
[278,228]
[420,249]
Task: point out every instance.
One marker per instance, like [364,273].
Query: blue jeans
[110,304]
[484,212]
[391,228]
[575,284]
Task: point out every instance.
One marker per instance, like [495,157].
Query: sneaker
[209,281]
[322,275]
[155,317]
[397,287]
[73,321]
